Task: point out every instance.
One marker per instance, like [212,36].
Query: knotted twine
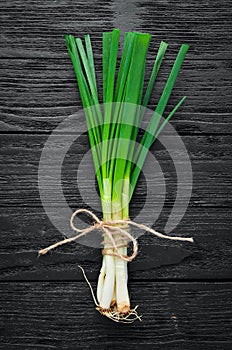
[113,231]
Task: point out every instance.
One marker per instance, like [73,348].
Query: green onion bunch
[118,154]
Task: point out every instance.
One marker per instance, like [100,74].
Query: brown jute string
[112,230]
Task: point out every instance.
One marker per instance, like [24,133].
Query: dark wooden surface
[184,292]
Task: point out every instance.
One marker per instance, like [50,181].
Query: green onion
[114,132]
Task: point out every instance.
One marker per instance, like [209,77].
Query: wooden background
[184,293]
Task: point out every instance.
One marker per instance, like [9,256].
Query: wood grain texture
[38,28]
[24,231]
[20,157]
[204,25]
[44,302]
[62,315]
[37,94]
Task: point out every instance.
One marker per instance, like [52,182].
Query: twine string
[113,231]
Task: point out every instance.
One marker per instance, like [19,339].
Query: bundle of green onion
[117,163]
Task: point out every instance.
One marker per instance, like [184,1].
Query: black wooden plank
[20,157]
[62,315]
[39,27]
[25,231]
[36,28]
[45,119]
[204,25]
[38,90]
[37,94]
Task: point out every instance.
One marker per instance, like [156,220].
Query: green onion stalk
[118,156]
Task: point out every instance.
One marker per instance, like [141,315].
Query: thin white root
[116,316]
[89,284]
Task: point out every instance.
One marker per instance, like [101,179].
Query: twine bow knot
[113,231]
